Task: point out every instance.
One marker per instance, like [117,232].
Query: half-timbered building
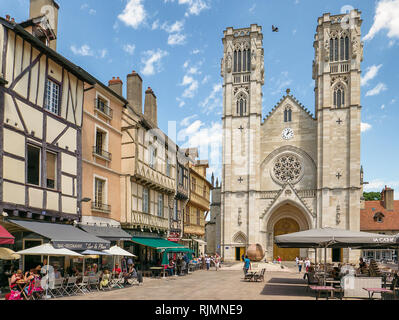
[41,104]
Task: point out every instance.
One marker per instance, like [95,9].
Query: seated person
[132,273]
[16,277]
[335,273]
[89,272]
[57,273]
[117,270]
[105,279]
[170,267]
[362,266]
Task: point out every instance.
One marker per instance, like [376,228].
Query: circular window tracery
[287,168]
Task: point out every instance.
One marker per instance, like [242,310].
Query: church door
[285,226]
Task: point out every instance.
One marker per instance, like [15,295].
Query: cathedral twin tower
[291,171]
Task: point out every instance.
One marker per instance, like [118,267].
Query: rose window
[288,168]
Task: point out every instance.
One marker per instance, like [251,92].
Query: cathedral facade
[291,170]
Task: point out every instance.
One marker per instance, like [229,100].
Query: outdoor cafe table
[22,285]
[371,291]
[320,289]
[156,271]
[331,282]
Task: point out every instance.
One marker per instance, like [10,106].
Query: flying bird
[274,29]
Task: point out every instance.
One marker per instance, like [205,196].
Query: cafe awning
[159,244]
[5,236]
[64,235]
[108,233]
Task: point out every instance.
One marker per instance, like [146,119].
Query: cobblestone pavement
[224,284]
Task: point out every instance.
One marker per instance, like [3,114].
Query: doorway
[285,226]
[337,255]
[239,252]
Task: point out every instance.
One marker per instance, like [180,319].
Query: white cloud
[176,39]
[192,86]
[134,14]
[103,53]
[205,80]
[383,107]
[84,50]
[186,121]
[371,73]
[195,51]
[282,83]
[386,17]
[365,127]
[213,100]
[208,140]
[155,25]
[377,90]
[92,12]
[195,7]
[177,27]
[378,184]
[152,61]
[252,9]
[181,102]
[129,48]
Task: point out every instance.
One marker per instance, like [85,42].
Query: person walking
[208,262]
[307,264]
[247,265]
[203,262]
[300,263]
[217,261]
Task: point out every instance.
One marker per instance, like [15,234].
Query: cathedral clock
[288,134]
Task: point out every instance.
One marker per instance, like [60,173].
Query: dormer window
[379,217]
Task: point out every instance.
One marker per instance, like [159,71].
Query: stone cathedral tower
[337,72]
[243,73]
[292,170]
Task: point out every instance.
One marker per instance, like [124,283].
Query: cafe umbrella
[8,254]
[92,254]
[332,238]
[48,250]
[118,252]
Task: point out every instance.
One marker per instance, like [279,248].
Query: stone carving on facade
[327,50]
[253,60]
[239,220]
[338,214]
[335,79]
[222,68]
[228,63]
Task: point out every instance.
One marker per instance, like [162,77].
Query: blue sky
[176,47]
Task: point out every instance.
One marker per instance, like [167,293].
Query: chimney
[387,196]
[135,91]
[150,106]
[116,85]
[49,8]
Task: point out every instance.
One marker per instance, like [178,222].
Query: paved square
[225,284]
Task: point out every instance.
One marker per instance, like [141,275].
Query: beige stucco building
[291,170]
[102,144]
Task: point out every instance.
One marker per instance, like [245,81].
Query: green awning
[159,244]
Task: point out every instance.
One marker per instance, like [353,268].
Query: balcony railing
[101,207]
[149,220]
[98,151]
[103,108]
[339,67]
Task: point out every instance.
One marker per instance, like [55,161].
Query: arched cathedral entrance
[285,226]
[287,218]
